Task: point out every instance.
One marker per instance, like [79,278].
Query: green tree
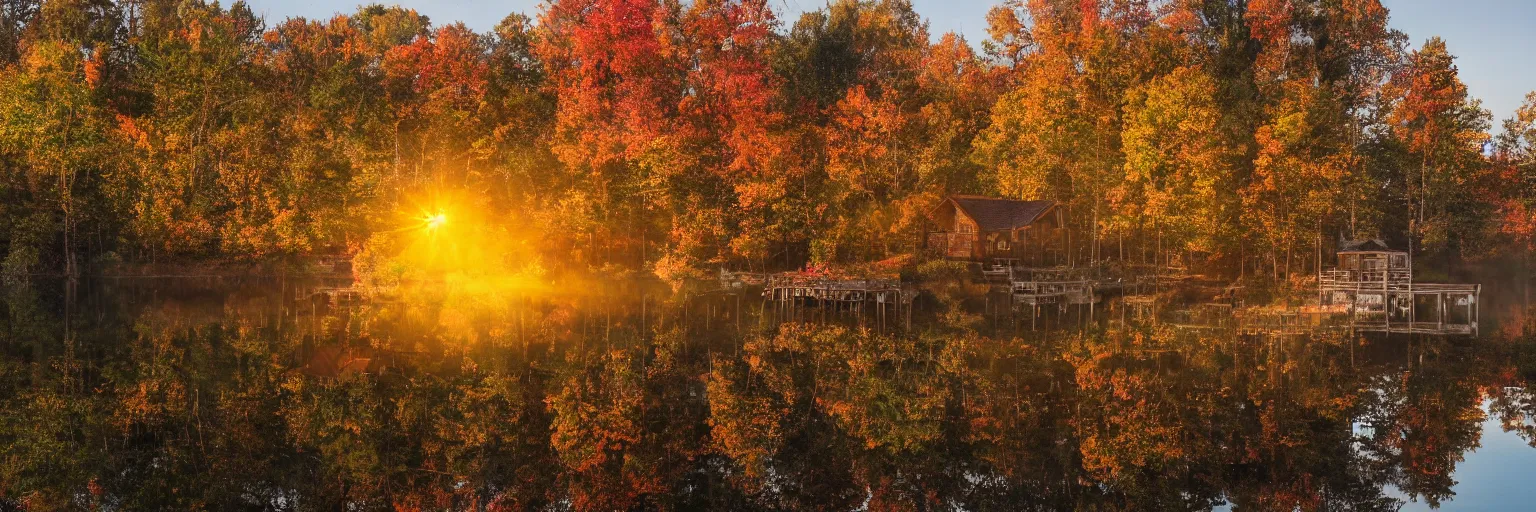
[56,132]
[1178,182]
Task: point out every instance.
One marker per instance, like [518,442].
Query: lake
[281,394]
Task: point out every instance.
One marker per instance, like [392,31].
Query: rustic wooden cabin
[1375,283]
[997,231]
[1372,260]
[1366,269]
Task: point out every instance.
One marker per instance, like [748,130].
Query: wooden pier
[1374,285]
[1371,290]
[1064,293]
[736,281]
[1038,287]
[1030,289]
[1307,320]
[338,295]
[797,296]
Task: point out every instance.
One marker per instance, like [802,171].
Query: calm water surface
[257,394]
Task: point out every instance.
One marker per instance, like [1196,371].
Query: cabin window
[966,227]
[1002,245]
[1399,261]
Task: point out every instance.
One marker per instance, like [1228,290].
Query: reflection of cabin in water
[999,231]
[1374,283]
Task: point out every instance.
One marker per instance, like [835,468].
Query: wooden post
[1090,302]
[1470,321]
[1413,308]
[1386,301]
[1476,304]
[1440,300]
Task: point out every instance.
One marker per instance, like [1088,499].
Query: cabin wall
[995,245]
[1372,261]
[1044,243]
[957,237]
[944,218]
[966,241]
[1040,244]
[962,223]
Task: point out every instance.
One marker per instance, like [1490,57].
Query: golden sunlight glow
[480,256]
[435,221]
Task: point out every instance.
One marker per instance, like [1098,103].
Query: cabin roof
[1373,245]
[993,214]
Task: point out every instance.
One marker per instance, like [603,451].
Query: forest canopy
[677,137]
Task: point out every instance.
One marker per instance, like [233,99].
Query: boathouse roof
[1368,245]
[994,214]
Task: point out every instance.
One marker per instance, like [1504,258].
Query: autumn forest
[674,138]
[673,255]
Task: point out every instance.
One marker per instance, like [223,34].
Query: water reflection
[255,395]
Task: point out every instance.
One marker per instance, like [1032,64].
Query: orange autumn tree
[198,154]
[851,83]
[722,163]
[1306,144]
[437,84]
[1442,131]
[1057,133]
[668,112]
[611,65]
[1515,160]
[678,138]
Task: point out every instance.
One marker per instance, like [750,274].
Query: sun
[435,221]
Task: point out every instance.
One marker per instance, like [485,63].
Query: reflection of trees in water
[566,405]
[1422,420]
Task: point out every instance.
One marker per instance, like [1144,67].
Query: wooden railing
[1073,292]
[1365,279]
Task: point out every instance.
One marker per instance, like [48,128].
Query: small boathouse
[1374,284]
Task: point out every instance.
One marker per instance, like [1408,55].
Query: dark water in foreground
[248,395]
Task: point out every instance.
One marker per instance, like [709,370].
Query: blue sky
[1493,40]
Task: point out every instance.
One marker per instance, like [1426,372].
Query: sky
[1493,40]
